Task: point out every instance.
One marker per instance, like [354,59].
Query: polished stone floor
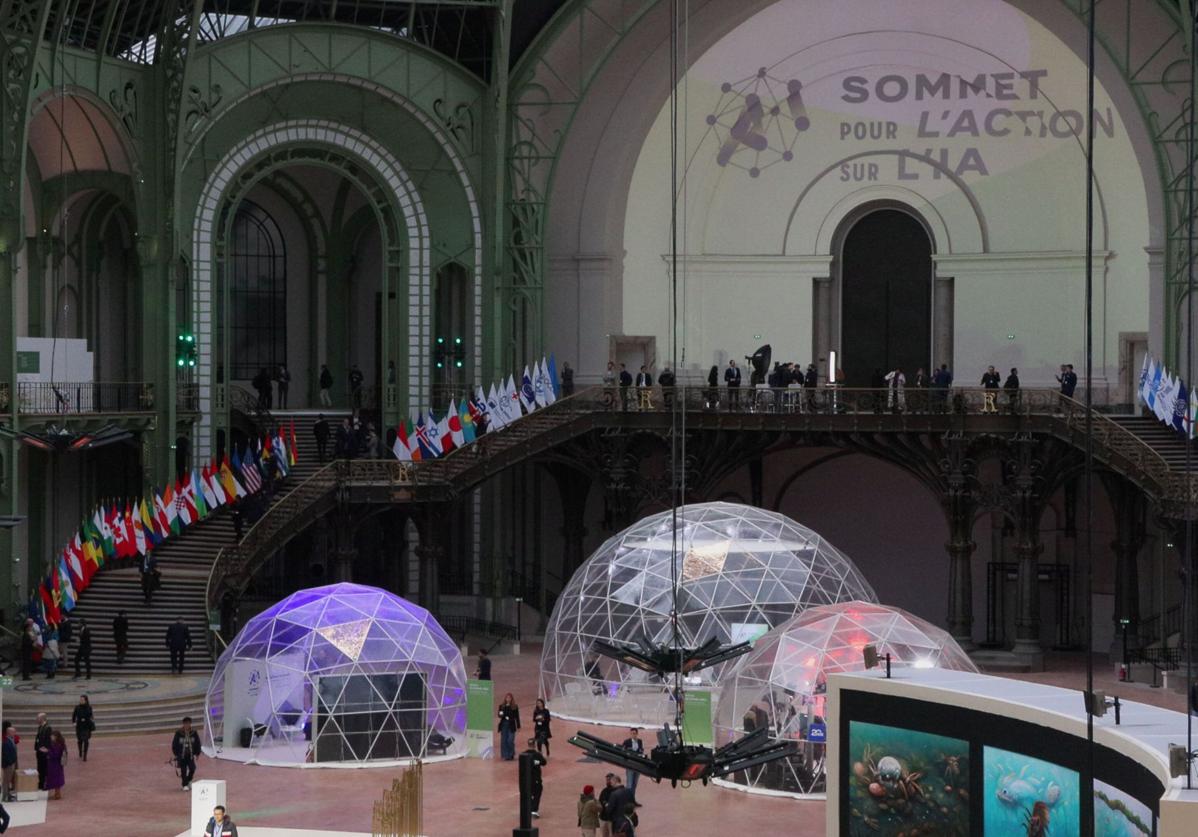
[128,780]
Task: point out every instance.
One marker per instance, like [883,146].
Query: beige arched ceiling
[72,133]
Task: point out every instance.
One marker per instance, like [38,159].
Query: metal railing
[1160,627]
[187,398]
[56,399]
[464,626]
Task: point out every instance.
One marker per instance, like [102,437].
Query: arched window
[258,302]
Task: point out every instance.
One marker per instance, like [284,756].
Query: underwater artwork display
[906,782]
[1027,797]
[1117,814]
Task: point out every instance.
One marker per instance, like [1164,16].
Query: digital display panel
[905,782]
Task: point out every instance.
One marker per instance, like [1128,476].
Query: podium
[206,794]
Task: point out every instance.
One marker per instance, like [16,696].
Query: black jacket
[227,827]
[41,738]
[85,640]
[990,380]
[732,376]
[65,631]
[625,378]
[321,430]
[540,723]
[179,741]
[83,719]
[120,629]
[178,637]
[509,715]
[326,379]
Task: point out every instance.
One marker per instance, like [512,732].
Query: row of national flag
[428,436]
[132,528]
[1168,397]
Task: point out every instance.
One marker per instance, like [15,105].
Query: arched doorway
[886,296]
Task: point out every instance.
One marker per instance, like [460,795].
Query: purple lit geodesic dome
[781,683]
[336,675]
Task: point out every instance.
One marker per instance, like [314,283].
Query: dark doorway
[886,297]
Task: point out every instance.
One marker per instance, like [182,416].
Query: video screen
[906,782]
[1027,796]
[1117,814]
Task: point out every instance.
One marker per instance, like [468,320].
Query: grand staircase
[185,562]
[1166,441]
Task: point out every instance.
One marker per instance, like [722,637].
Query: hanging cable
[1088,466]
[1187,597]
[676,464]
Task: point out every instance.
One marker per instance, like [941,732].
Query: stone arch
[390,177]
[439,134]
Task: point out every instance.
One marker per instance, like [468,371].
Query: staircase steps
[161,715]
[1166,441]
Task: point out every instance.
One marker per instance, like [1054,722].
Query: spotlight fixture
[1180,760]
[662,660]
[1097,704]
[870,655]
[689,763]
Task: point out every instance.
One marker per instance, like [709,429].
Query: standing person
[50,654]
[483,670]
[219,824]
[85,724]
[538,786]
[326,386]
[713,391]
[990,380]
[343,448]
[120,636]
[609,374]
[897,385]
[148,568]
[41,746]
[625,383]
[83,654]
[919,398]
[588,812]
[355,385]
[185,747]
[567,380]
[540,726]
[509,725]
[8,763]
[27,645]
[66,632]
[619,803]
[238,523]
[56,762]
[1011,385]
[320,429]
[283,376]
[1068,380]
[634,743]
[732,381]
[624,821]
[609,785]
[178,642]
[644,378]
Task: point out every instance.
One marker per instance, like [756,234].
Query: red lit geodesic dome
[781,683]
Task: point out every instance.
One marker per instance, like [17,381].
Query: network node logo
[758,121]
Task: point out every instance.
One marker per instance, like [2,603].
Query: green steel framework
[169,73]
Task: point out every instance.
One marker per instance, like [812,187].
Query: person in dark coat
[355,385]
[9,762]
[1011,385]
[567,380]
[185,747]
[283,377]
[625,383]
[85,724]
[636,744]
[178,642]
[321,431]
[483,672]
[120,636]
[41,747]
[990,379]
[538,784]
[609,785]
[219,824]
[540,726]
[83,654]
[509,725]
[326,386]
[732,382]
[344,448]
[620,805]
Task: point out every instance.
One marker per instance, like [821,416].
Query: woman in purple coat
[55,777]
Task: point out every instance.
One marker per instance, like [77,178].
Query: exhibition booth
[932,751]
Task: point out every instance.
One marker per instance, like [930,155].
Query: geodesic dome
[781,683]
[742,570]
[338,675]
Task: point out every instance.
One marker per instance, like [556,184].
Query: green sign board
[5,682]
[29,362]
[696,721]
[480,718]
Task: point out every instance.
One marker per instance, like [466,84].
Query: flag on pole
[555,386]
[413,440]
[427,446]
[50,607]
[402,448]
[1145,375]
[1181,407]
[109,518]
[495,415]
[122,538]
[538,385]
[197,494]
[454,424]
[206,489]
[147,524]
[527,396]
[168,505]
[513,400]
[139,533]
[1154,380]
[75,562]
[467,421]
[214,482]
[251,477]
[64,583]
[282,455]
[102,532]
[1162,404]
[291,447]
[185,511]
[445,434]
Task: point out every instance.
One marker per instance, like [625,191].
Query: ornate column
[431,553]
[1027,598]
[960,549]
[1130,531]
[345,552]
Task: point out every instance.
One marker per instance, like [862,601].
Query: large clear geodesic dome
[781,683]
[741,570]
[338,675]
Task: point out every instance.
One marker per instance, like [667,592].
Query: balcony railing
[54,398]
